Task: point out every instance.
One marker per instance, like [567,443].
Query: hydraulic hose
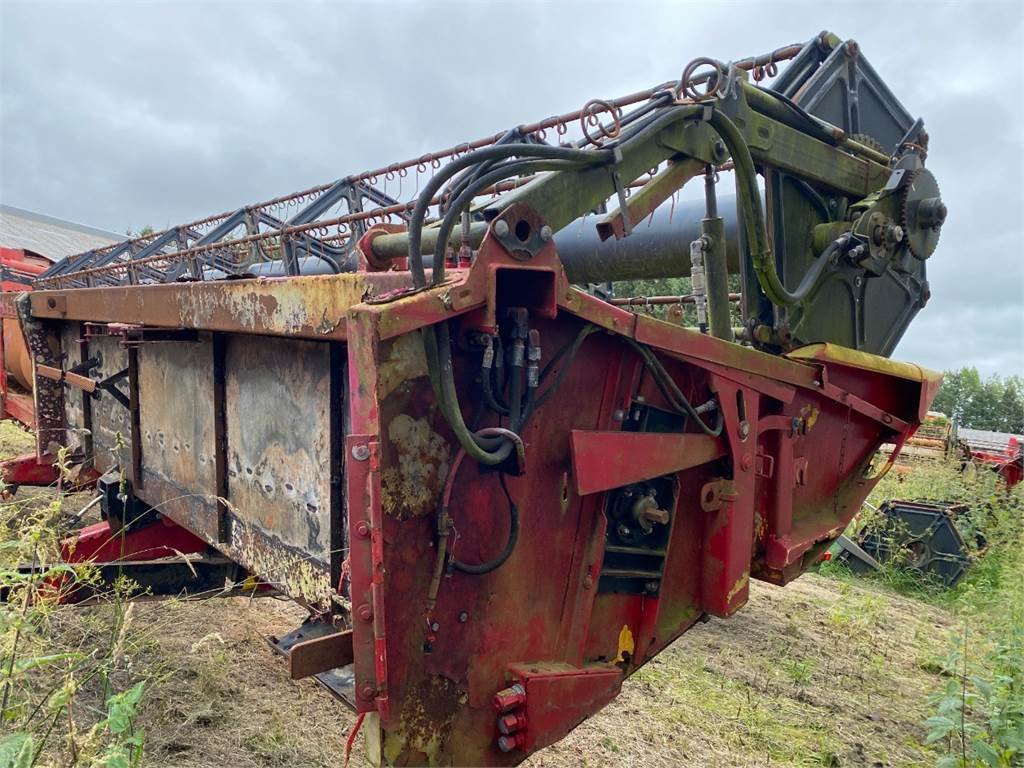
[471,190]
[502,152]
[753,216]
[670,390]
[436,339]
[478,569]
[444,526]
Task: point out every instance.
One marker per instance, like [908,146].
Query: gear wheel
[922,213]
[868,141]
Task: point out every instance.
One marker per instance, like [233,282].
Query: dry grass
[823,672]
[818,673]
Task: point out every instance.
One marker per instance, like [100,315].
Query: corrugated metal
[48,236]
[983,438]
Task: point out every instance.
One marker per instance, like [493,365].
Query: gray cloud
[129,114]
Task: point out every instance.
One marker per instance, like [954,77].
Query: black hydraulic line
[500,372]
[812,125]
[465,198]
[487,153]
[672,392]
[436,339]
[488,392]
[515,393]
[569,351]
[457,184]
[510,543]
[437,347]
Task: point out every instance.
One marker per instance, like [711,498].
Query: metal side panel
[110,426]
[176,430]
[277,396]
[74,411]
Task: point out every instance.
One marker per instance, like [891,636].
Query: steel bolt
[618,414]
[511,722]
[744,429]
[463,617]
[510,742]
[509,698]
[367,691]
[434,626]
[360,452]
[501,227]
[588,581]
[363,529]
[651,586]
[545,233]
[365,612]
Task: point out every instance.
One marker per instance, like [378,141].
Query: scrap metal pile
[497,493]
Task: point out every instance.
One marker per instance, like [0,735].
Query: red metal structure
[17,270]
[1002,453]
[499,494]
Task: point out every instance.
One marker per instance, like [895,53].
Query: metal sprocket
[922,213]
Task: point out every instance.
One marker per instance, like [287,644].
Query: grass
[976,713]
[67,692]
[833,670]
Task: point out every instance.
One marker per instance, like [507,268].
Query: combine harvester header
[497,493]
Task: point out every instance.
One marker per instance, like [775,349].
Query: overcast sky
[122,115]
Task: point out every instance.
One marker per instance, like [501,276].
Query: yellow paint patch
[809,413]
[626,644]
[741,582]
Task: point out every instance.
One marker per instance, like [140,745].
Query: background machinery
[497,493]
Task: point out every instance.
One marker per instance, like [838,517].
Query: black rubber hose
[510,543]
[672,392]
[437,346]
[515,397]
[488,392]
[419,212]
[436,339]
[465,198]
[569,351]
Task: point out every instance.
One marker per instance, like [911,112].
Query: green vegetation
[996,404]
[976,705]
[67,692]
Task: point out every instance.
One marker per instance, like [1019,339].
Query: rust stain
[293,574]
[409,487]
[292,306]
[426,723]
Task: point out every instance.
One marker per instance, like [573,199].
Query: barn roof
[49,236]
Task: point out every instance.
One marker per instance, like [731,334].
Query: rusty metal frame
[495,663]
[335,310]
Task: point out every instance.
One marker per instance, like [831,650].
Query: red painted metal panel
[602,461]
[98,543]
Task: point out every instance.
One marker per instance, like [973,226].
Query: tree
[995,404]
